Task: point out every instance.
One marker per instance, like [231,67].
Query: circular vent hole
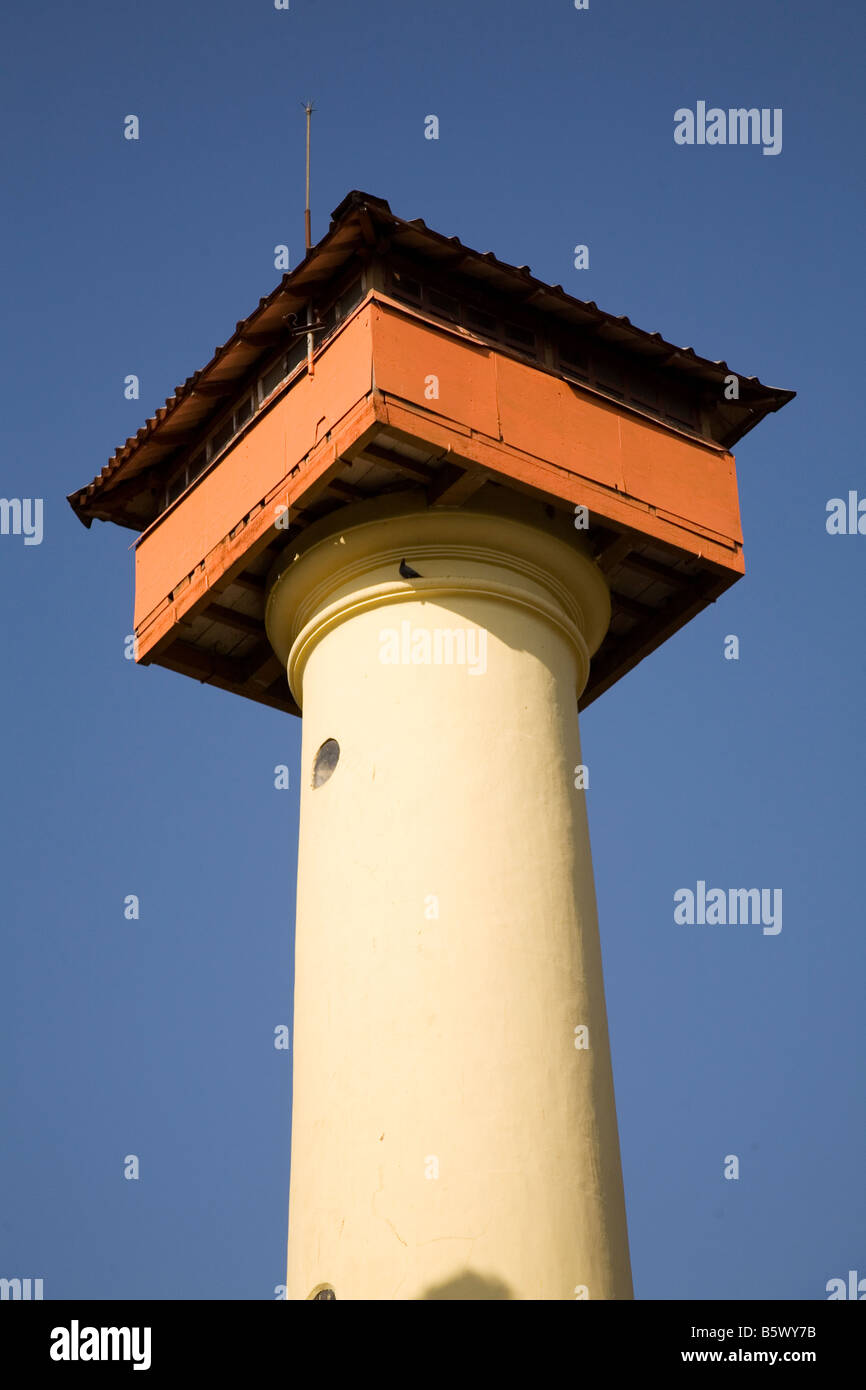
[325,761]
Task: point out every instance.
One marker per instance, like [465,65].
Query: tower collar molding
[512,550]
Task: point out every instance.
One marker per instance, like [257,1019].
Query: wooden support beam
[654,570]
[640,611]
[233,618]
[251,582]
[203,665]
[279,691]
[454,484]
[619,653]
[419,472]
[265,669]
[347,491]
[612,553]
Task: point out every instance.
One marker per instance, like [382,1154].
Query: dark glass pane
[519,337]
[404,287]
[297,353]
[175,487]
[272,379]
[352,297]
[442,303]
[222,437]
[478,318]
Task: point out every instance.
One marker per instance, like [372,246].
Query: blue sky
[556,128]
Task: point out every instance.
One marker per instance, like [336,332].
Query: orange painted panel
[502,414]
[544,416]
[547,417]
[500,457]
[681,478]
[275,444]
[407,353]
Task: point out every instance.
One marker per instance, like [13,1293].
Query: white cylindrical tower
[453,1127]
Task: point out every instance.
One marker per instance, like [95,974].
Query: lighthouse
[435,507]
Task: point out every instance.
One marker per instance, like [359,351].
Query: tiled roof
[359,223]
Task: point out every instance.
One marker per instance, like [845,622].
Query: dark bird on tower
[407,572]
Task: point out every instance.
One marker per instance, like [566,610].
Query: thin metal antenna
[308,236]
